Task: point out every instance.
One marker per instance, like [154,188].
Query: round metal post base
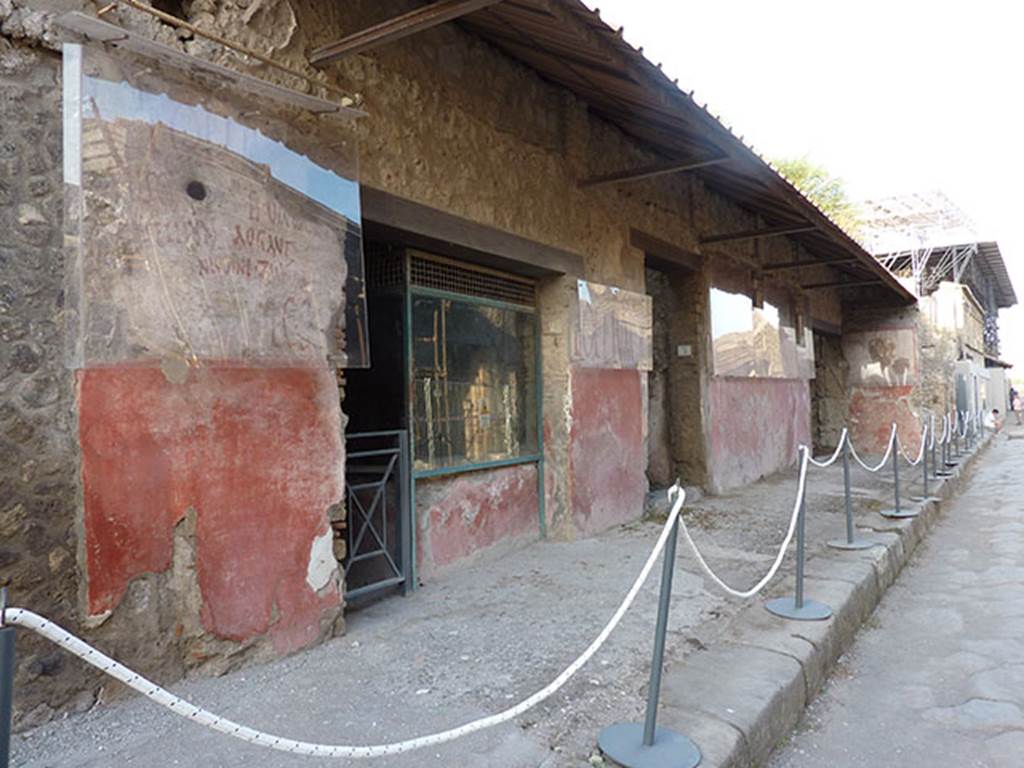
[944,473]
[899,515]
[925,499]
[811,610]
[624,744]
[952,464]
[857,543]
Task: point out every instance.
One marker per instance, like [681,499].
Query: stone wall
[882,349]
[660,422]
[829,396]
[940,348]
[462,516]
[755,428]
[454,125]
[678,383]
[457,126]
[39,487]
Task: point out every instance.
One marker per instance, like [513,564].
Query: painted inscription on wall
[612,328]
[191,251]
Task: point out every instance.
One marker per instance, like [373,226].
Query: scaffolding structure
[927,238]
[924,236]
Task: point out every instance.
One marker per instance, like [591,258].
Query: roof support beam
[757,234]
[650,171]
[780,265]
[401,26]
[842,284]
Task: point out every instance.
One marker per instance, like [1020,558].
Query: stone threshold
[743,695]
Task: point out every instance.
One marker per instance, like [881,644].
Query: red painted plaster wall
[256,452]
[606,452]
[872,413]
[464,514]
[755,427]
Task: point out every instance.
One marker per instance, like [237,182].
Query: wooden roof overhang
[570,45]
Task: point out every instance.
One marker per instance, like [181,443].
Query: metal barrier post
[646,746]
[852,541]
[950,459]
[6,683]
[897,511]
[797,607]
[925,496]
[935,467]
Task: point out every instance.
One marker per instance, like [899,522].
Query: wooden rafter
[401,26]
[758,234]
[780,265]
[649,171]
[842,284]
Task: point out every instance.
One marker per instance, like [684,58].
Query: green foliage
[826,191]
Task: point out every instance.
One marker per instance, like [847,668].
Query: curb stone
[743,696]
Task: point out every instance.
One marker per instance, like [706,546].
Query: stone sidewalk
[937,676]
[491,632]
[740,698]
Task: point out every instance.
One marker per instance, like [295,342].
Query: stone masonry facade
[453,124]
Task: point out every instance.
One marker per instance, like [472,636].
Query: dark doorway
[661,468]
[828,392]
[378,533]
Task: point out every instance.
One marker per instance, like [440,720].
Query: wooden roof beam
[396,28]
[842,284]
[650,171]
[757,234]
[780,265]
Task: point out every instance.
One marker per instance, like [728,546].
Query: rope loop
[885,458]
[744,593]
[920,453]
[835,455]
[28,620]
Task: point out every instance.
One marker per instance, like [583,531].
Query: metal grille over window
[385,266]
[442,275]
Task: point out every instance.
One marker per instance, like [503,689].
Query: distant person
[1015,403]
[992,420]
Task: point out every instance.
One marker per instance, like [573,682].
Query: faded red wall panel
[257,453]
[755,427]
[606,453]
[872,413]
[466,513]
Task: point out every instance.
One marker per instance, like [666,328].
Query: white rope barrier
[28,620]
[920,453]
[801,488]
[885,458]
[839,448]
[21,617]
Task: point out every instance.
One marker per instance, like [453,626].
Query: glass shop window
[474,381]
[766,341]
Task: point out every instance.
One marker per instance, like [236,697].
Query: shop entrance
[674,417]
[453,388]
[828,392]
[378,496]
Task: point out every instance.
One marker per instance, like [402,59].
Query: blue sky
[893,97]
